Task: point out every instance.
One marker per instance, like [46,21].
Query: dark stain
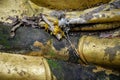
[114,77]
[41,63]
[72,56]
[115,4]
[69,71]
[94,46]
[103,15]
[22,73]
[9,71]
[15,69]
[111,51]
[24,58]
[101,75]
[89,15]
[90,67]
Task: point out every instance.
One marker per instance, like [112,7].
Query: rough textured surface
[15,7]
[26,36]
[69,71]
[69,4]
[112,52]
[21,67]
[101,51]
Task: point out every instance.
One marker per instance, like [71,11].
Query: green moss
[4,35]
[56,68]
[54,64]
[51,53]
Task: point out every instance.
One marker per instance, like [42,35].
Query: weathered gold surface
[14,8]
[68,4]
[102,51]
[20,67]
[106,16]
[92,50]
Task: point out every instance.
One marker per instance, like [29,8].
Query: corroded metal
[101,51]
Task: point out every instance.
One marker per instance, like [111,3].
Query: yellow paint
[57,29]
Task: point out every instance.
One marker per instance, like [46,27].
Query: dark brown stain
[9,71]
[94,46]
[15,69]
[24,58]
[41,63]
[22,73]
[111,51]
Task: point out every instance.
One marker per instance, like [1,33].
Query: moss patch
[4,37]
[56,68]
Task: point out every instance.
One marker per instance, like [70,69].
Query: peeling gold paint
[107,71]
[21,67]
[49,51]
[92,50]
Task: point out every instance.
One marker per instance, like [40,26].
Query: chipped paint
[100,51]
[21,67]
